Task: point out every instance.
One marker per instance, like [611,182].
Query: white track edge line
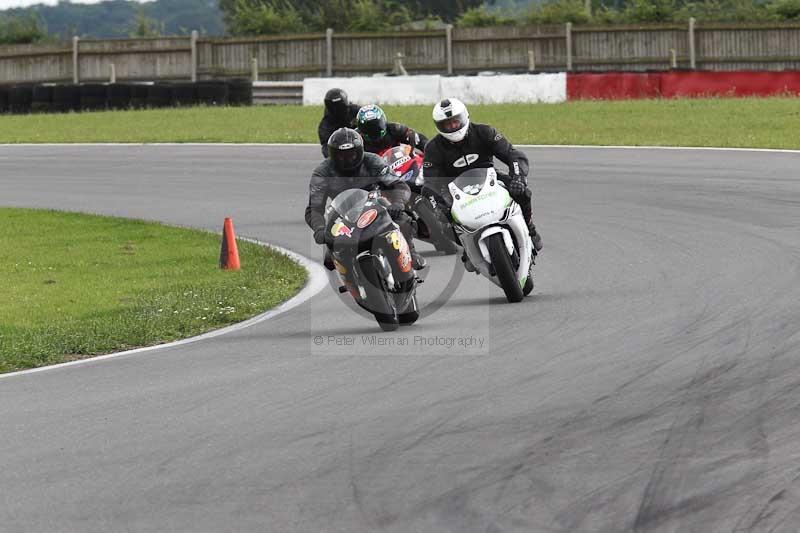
[317,280]
[279,145]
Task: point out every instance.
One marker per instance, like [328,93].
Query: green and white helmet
[372,123]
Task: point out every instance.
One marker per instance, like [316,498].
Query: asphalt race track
[651,383]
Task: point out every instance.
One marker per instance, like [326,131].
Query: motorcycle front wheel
[504,268]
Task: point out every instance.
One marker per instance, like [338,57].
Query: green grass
[76,285]
[730,122]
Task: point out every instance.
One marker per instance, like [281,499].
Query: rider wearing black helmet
[339,113]
[380,134]
[348,167]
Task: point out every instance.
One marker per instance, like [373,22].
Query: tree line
[637,12]
[123,18]
[269,17]
[109,19]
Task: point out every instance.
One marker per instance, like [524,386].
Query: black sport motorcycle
[372,257]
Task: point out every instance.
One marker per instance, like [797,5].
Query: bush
[649,11]
[21,30]
[255,18]
[269,17]
[786,9]
[480,17]
[724,11]
[560,12]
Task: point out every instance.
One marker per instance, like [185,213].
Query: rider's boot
[468,266]
[535,237]
[417,260]
[527,212]
[328,260]
[407,228]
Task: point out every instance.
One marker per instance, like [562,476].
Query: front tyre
[410,314]
[379,301]
[387,322]
[504,268]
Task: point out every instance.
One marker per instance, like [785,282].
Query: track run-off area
[650,383]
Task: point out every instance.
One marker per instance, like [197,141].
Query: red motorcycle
[405,162]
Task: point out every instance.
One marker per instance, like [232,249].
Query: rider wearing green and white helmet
[380,134]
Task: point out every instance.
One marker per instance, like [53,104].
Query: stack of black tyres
[94,97]
[63,98]
[159,95]
[184,94]
[4,99]
[42,99]
[66,98]
[240,92]
[119,96]
[139,95]
[212,93]
[20,98]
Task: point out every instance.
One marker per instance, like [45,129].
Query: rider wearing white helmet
[462,145]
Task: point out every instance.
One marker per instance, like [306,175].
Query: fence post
[569,46]
[194,55]
[692,51]
[399,69]
[112,73]
[673,58]
[329,52]
[531,61]
[254,69]
[448,34]
[75,65]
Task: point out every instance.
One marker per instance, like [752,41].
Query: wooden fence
[449,51]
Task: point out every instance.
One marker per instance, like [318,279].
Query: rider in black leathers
[348,167]
[339,113]
[462,145]
[380,134]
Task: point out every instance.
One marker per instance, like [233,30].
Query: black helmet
[346,150]
[336,102]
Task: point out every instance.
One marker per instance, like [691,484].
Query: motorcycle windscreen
[349,204]
[472,181]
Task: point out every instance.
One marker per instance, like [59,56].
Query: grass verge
[77,285]
[727,122]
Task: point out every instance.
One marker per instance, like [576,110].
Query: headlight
[472,189]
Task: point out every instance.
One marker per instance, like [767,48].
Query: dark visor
[451,124]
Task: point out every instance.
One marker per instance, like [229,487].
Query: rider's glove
[517,186]
[319,235]
[395,210]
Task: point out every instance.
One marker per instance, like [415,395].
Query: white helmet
[452,119]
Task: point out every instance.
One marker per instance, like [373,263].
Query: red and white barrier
[406,90]
[555,88]
[634,85]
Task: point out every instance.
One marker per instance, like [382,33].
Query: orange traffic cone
[229,254]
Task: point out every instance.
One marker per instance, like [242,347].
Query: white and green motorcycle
[493,232]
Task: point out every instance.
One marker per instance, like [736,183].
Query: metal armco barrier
[278,93]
